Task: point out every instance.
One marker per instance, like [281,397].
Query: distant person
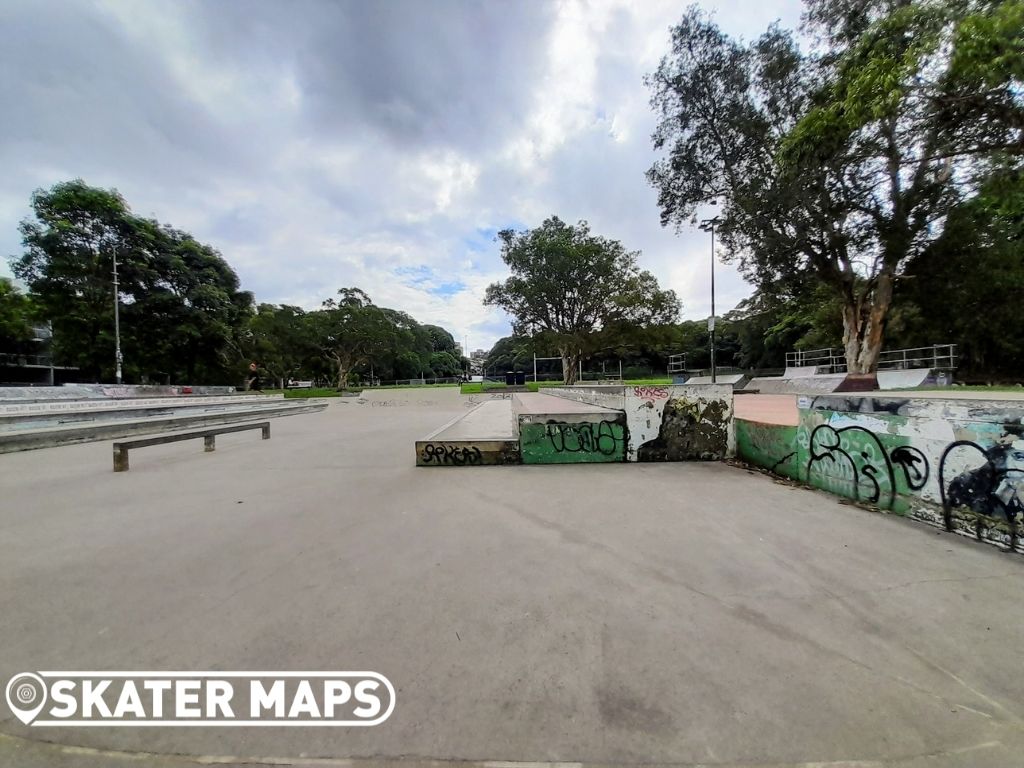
[253,383]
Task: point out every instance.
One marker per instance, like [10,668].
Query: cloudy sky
[378,144]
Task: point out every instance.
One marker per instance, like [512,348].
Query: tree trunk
[864,319]
[570,365]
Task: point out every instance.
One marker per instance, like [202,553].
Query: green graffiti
[772,446]
[582,442]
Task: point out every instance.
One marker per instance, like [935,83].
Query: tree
[575,289]
[180,301]
[509,353]
[350,330]
[67,265]
[185,308]
[441,340]
[444,364]
[280,338]
[15,317]
[967,284]
[842,164]
[770,324]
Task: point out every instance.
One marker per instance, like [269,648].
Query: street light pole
[709,224]
[117,322]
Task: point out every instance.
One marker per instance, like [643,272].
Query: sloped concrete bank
[953,463]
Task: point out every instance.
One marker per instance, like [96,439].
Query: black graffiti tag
[990,490]
[831,457]
[583,438]
[914,465]
[453,455]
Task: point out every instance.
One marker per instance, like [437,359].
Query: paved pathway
[684,614]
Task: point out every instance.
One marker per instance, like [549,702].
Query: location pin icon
[26,695]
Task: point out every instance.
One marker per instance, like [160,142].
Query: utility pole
[706,225]
[117,321]
[49,324]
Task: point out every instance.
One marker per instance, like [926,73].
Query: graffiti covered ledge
[950,462]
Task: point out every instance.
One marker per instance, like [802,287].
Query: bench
[209,439]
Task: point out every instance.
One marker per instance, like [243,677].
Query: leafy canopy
[577,290]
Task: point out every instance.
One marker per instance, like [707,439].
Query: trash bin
[520,378]
[510,378]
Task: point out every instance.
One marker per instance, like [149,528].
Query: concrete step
[556,430]
[49,437]
[484,435]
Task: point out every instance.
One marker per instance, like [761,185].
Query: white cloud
[381,145]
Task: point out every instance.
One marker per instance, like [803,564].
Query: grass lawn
[475,387]
[300,393]
[407,386]
[658,382]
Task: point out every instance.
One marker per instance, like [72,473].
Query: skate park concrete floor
[683,614]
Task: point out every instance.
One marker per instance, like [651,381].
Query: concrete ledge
[108,391]
[31,439]
[15,407]
[54,414]
[484,435]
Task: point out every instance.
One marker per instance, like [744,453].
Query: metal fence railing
[412,382]
[831,360]
[940,356]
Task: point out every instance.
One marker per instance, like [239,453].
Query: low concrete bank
[954,463]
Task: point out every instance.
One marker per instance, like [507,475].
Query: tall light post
[117,321]
[709,225]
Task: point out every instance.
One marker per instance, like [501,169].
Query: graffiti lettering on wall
[573,442]
[451,455]
[887,460]
[650,393]
[852,462]
[690,429]
[585,437]
[914,465]
[989,489]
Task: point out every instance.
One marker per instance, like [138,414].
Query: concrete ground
[685,614]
